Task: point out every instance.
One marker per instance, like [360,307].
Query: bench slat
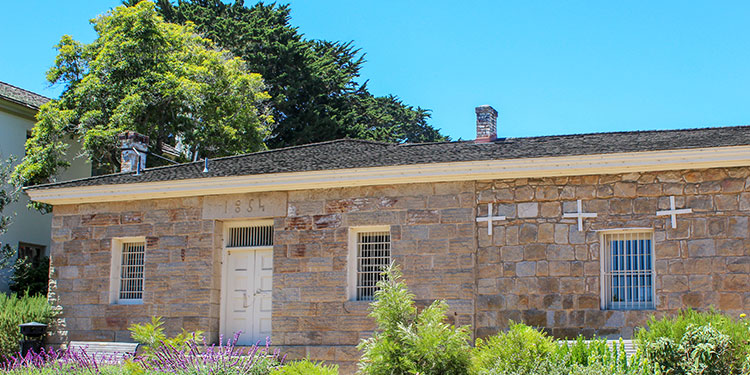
[105,349]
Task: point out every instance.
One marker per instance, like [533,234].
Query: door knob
[244,299]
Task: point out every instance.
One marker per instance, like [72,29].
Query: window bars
[259,235]
[628,271]
[131,271]
[373,255]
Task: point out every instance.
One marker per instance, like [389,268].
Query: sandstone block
[624,189]
[528,210]
[528,234]
[701,248]
[674,283]
[525,269]
[524,193]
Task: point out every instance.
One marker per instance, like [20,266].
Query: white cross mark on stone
[580,215]
[489,219]
[673,212]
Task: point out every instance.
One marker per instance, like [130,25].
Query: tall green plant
[152,336]
[521,349]
[671,339]
[411,342]
[15,310]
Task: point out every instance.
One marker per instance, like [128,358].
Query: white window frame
[353,255]
[116,270]
[605,261]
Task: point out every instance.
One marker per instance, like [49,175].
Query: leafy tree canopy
[312,82]
[157,78]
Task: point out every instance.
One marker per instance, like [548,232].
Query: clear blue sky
[548,67]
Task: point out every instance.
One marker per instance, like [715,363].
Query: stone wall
[540,269]
[432,235]
[182,266]
[537,267]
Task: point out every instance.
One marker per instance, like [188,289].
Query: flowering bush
[193,359]
[214,359]
[60,362]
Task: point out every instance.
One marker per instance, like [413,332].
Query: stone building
[587,233]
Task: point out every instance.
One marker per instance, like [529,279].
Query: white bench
[108,351]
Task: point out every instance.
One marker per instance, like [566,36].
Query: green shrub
[306,367]
[521,349]
[685,342]
[407,342]
[152,337]
[707,351]
[15,310]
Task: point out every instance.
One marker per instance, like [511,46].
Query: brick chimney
[486,124]
[134,147]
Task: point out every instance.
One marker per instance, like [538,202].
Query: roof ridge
[345,139]
[623,132]
[161,167]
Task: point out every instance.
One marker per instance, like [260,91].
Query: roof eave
[697,158]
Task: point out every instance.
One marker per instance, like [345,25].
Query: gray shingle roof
[20,96]
[351,153]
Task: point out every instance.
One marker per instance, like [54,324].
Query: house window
[127,272]
[371,254]
[627,270]
[32,253]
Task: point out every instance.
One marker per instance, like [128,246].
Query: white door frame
[225,266]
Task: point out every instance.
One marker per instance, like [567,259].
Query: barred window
[250,236]
[373,255]
[627,271]
[131,272]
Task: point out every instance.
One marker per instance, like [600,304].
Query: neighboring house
[29,231]
[588,233]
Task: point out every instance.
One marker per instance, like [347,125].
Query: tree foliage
[144,74]
[312,82]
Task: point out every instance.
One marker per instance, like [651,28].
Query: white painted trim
[226,225]
[624,230]
[715,157]
[116,268]
[603,233]
[351,285]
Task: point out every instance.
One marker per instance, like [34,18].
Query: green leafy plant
[707,351]
[521,348]
[306,367]
[152,337]
[670,340]
[411,342]
[15,310]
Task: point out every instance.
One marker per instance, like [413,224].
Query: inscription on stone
[240,206]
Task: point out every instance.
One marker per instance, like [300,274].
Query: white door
[248,295]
